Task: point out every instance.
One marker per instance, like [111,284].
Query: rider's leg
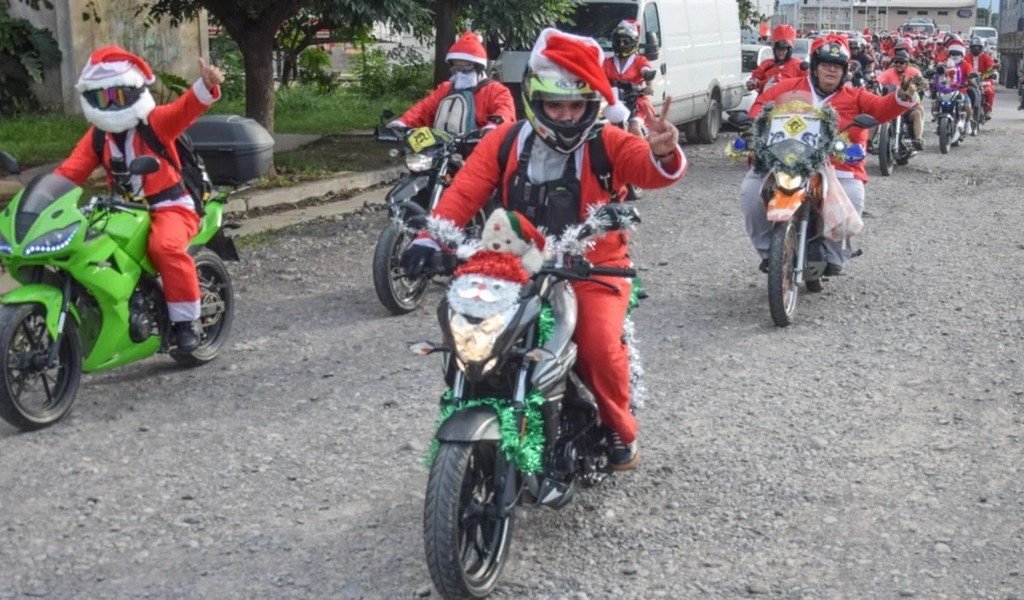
[990,97]
[917,123]
[171,229]
[854,188]
[758,228]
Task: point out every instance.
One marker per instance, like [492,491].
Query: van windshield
[926,28]
[598,20]
[985,32]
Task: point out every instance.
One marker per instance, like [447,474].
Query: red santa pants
[603,358]
[170,231]
[988,93]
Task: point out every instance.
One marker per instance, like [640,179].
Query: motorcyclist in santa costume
[549,178]
[984,65]
[627,64]
[114,93]
[824,84]
[782,66]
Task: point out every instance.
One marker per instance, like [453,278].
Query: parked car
[752,55]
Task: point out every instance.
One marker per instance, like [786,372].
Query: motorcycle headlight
[417,163]
[474,341]
[53,241]
[790,183]
[5,246]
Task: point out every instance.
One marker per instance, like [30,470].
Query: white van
[693,44]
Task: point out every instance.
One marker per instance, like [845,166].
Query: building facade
[876,15]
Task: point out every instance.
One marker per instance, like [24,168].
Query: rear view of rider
[955,53]
[491,100]
[115,97]
[900,69]
[982,63]
[782,66]
[627,65]
[549,176]
[830,58]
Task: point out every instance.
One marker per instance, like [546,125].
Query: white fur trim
[616,113]
[183,311]
[482,61]
[909,103]
[532,260]
[122,73]
[202,94]
[425,241]
[116,121]
[683,165]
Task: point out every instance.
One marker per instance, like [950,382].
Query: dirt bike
[895,146]
[793,143]
[630,94]
[432,157]
[90,299]
[517,425]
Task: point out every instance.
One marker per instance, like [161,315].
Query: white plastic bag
[841,221]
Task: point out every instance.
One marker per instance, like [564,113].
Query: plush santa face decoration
[114,88]
[490,281]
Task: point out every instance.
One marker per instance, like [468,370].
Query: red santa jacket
[489,99]
[631,69]
[629,156]
[848,102]
[981,63]
[770,72]
[168,121]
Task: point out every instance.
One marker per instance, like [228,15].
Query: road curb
[349,182]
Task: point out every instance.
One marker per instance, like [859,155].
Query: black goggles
[112,98]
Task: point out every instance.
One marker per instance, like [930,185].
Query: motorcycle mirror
[650,75]
[805,66]
[864,121]
[9,163]
[143,165]
[496,119]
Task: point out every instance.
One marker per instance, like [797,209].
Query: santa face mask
[463,80]
[117,109]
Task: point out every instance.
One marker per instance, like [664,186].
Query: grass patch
[40,139]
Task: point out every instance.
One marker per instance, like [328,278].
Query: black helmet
[830,49]
[625,40]
[976,45]
[901,54]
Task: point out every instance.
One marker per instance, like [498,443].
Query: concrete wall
[165,48]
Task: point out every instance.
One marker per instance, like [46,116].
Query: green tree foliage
[254,24]
[749,17]
[25,51]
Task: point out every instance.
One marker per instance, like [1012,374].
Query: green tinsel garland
[528,452]
[634,295]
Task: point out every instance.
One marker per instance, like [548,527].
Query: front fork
[51,359]
[801,244]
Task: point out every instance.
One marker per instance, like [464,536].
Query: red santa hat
[566,56]
[630,24]
[113,66]
[469,47]
[525,229]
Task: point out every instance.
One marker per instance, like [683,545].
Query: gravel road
[871,450]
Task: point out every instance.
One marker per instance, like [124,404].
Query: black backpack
[192,169]
[598,159]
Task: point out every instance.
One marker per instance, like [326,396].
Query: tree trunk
[445,14]
[258,58]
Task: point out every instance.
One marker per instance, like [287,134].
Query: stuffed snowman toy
[511,250]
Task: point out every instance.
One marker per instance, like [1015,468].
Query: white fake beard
[481,296]
[116,121]
[464,81]
[956,59]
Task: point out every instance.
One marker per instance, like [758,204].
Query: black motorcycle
[895,142]
[517,424]
[629,95]
[432,157]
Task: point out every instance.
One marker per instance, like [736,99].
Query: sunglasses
[112,98]
[462,69]
[899,62]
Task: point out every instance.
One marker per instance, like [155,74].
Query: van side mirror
[651,45]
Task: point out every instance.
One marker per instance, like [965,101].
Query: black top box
[236,149]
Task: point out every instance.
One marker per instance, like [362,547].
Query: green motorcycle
[89,299]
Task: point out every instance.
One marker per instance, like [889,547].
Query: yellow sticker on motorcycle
[421,138]
[795,126]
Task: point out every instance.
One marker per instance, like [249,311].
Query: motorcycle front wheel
[944,133]
[783,291]
[398,293]
[466,543]
[216,309]
[887,149]
[34,395]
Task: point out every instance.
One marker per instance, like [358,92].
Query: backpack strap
[149,137]
[98,139]
[599,162]
[506,148]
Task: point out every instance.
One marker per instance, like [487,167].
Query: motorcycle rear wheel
[398,294]
[216,309]
[944,133]
[783,291]
[887,150]
[33,396]
[466,544]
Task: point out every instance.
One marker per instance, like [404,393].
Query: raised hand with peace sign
[662,135]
